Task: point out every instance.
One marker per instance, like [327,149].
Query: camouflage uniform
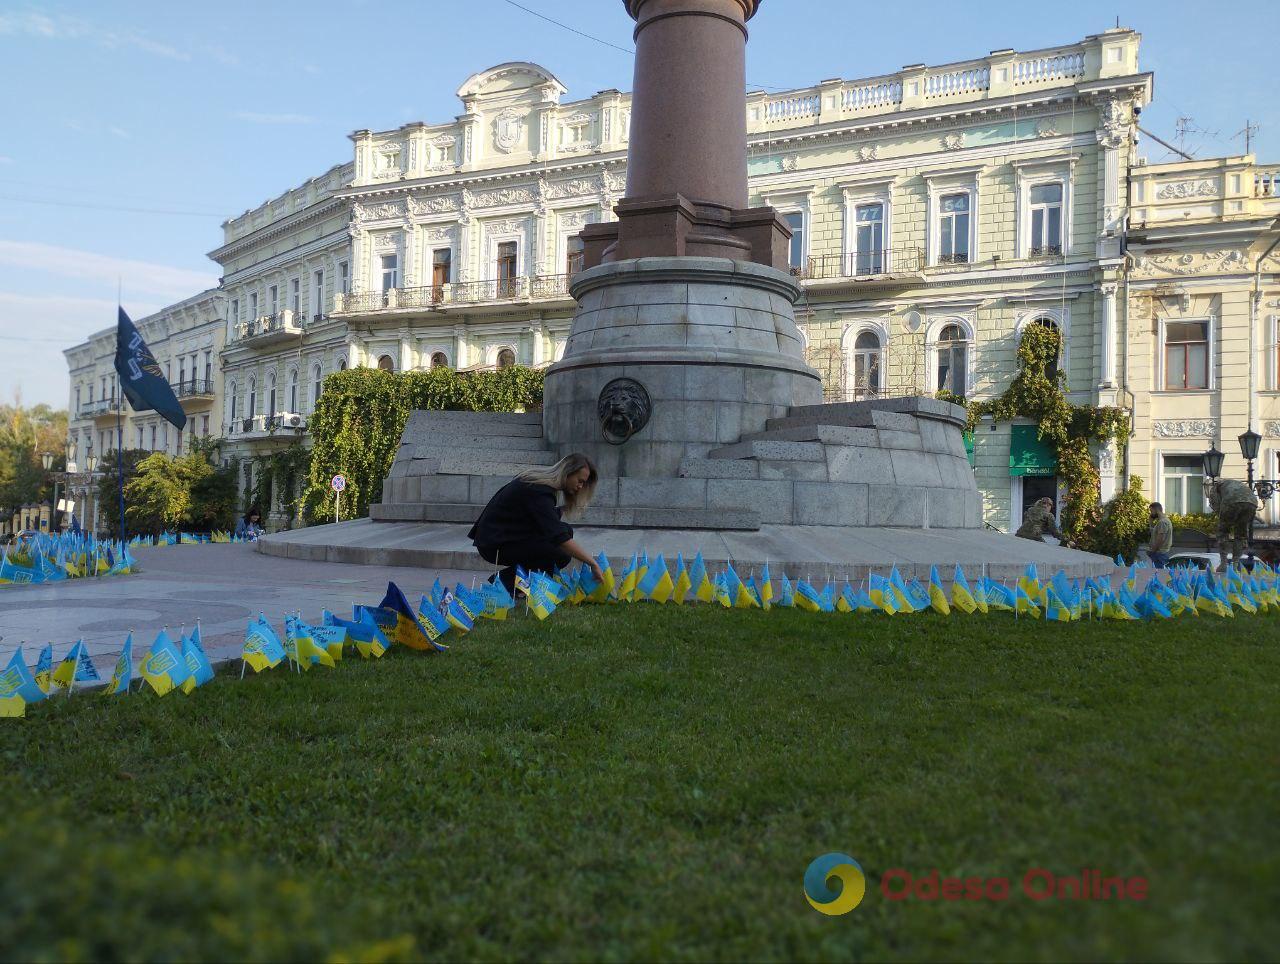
[1236,505]
[1036,523]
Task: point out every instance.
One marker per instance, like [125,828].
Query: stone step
[871,419]
[782,450]
[485,462]
[508,420]
[429,444]
[827,434]
[920,405]
[740,520]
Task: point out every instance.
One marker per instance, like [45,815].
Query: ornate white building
[937,212]
[186,339]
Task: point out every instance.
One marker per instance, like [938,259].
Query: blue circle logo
[817,884]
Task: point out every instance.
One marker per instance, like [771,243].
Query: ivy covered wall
[358,421]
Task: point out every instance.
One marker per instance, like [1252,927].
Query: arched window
[293,390]
[439,360]
[387,363]
[506,358]
[317,384]
[1052,369]
[271,394]
[866,364]
[953,360]
[232,391]
[252,409]
[342,364]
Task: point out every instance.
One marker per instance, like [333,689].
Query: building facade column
[1107,312]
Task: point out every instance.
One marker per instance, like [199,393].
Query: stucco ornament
[624,409]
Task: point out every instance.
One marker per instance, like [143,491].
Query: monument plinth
[684,300]
[684,379]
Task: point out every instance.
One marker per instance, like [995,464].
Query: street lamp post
[46,460]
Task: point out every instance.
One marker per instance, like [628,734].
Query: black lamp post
[1213,462]
[46,460]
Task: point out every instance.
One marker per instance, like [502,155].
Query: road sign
[339,482]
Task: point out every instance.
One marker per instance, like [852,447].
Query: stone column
[687,166]
[1108,311]
[688,126]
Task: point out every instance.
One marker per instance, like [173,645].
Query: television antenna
[1247,133]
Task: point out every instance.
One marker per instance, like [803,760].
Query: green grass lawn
[649,782]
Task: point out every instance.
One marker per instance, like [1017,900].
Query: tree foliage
[25,433]
[359,419]
[180,492]
[1122,523]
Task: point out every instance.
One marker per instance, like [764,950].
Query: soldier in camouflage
[1039,521]
[1235,505]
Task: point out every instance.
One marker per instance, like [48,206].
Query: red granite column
[688,107]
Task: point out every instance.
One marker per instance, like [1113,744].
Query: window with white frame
[390,272]
[439,360]
[317,384]
[253,306]
[232,390]
[317,295]
[295,297]
[953,228]
[235,311]
[271,394]
[252,408]
[506,266]
[868,354]
[153,438]
[1186,355]
[344,277]
[795,255]
[575,254]
[1045,203]
[293,390]
[952,351]
[1182,483]
[273,295]
[868,238]
[1054,366]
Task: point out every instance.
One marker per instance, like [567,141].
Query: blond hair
[557,477]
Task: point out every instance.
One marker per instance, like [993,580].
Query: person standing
[1039,522]
[1235,506]
[523,524]
[1161,542]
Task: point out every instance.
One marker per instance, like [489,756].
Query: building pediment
[505,80]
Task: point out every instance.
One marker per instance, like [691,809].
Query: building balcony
[864,267]
[194,392]
[98,409]
[283,425]
[541,288]
[282,326]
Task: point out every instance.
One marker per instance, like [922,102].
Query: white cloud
[253,117]
[63,27]
[154,281]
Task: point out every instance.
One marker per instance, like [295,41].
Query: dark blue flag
[141,379]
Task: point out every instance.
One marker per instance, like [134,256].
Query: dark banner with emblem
[141,378]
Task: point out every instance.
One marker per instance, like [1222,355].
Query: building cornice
[269,232]
[285,257]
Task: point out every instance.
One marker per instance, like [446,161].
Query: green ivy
[358,422]
[1037,393]
[284,471]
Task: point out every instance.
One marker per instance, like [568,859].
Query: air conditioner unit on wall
[293,420]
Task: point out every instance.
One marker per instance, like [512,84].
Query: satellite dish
[913,320]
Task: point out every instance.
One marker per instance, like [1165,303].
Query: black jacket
[520,512]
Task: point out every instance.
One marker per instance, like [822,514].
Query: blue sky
[129,131]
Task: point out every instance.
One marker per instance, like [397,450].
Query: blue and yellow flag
[16,680]
[703,590]
[262,647]
[19,575]
[1023,604]
[199,671]
[403,627]
[302,646]
[807,598]
[787,593]
[76,667]
[363,633]
[767,593]
[164,667]
[122,675]
[44,668]
[434,623]
[961,595]
[541,600]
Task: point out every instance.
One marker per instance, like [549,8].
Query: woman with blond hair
[523,524]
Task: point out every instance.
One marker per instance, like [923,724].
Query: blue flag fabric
[17,680]
[141,378]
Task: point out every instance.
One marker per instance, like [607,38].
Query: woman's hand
[596,571]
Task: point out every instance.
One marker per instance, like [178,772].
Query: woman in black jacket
[523,524]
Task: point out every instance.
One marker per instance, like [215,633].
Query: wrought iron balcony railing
[862,264]
[539,288]
[193,387]
[280,324]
